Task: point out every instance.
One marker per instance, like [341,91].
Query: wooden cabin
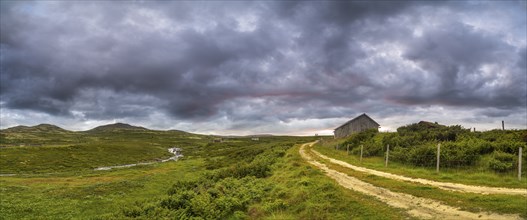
[358,124]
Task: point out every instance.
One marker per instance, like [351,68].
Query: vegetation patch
[473,202]
[485,158]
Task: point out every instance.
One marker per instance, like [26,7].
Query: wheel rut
[419,207]
[442,185]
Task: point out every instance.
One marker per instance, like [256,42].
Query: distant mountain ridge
[44,128]
[117,127]
[49,128]
[246,136]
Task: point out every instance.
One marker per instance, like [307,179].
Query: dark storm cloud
[175,68]
[458,54]
[258,62]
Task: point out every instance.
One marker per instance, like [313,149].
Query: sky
[263,67]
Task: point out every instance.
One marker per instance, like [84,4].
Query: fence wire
[448,161]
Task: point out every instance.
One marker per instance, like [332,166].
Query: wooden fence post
[348,149]
[361,153]
[520,164]
[387,155]
[438,153]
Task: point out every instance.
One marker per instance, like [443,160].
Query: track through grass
[504,204]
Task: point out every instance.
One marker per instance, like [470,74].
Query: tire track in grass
[442,185]
[415,206]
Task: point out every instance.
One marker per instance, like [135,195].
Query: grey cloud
[522,59]
[457,56]
[298,60]
[496,113]
[177,68]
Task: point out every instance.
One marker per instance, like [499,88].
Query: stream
[174,150]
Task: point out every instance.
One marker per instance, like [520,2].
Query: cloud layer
[273,67]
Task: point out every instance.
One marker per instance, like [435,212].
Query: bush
[400,155]
[423,155]
[426,131]
[362,137]
[204,199]
[222,193]
[416,144]
[370,150]
[453,154]
[502,162]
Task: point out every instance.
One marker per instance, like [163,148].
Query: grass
[471,176]
[92,195]
[473,202]
[55,178]
[303,192]
[82,151]
[295,190]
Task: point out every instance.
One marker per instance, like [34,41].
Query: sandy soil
[442,185]
[416,206]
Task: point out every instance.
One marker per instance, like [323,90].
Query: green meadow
[48,173]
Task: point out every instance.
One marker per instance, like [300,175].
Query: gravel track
[442,185]
[419,207]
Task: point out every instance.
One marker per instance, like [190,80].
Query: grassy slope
[74,190]
[298,191]
[306,193]
[465,176]
[96,194]
[81,151]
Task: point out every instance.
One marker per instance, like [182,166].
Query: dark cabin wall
[360,124]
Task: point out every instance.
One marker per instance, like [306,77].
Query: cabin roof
[354,119]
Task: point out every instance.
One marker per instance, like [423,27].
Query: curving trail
[442,185]
[416,206]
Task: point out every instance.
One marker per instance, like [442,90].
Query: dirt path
[415,206]
[442,185]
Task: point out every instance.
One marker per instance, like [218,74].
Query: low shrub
[502,162]
[416,144]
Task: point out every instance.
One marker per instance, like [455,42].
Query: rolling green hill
[48,148]
[116,127]
[41,128]
[264,178]
[49,173]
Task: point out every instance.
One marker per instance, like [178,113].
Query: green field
[236,179]
[48,173]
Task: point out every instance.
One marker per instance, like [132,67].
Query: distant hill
[117,127]
[50,129]
[260,135]
[246,136]
[41,128]
[179,132]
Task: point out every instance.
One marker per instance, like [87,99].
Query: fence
[444,160]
